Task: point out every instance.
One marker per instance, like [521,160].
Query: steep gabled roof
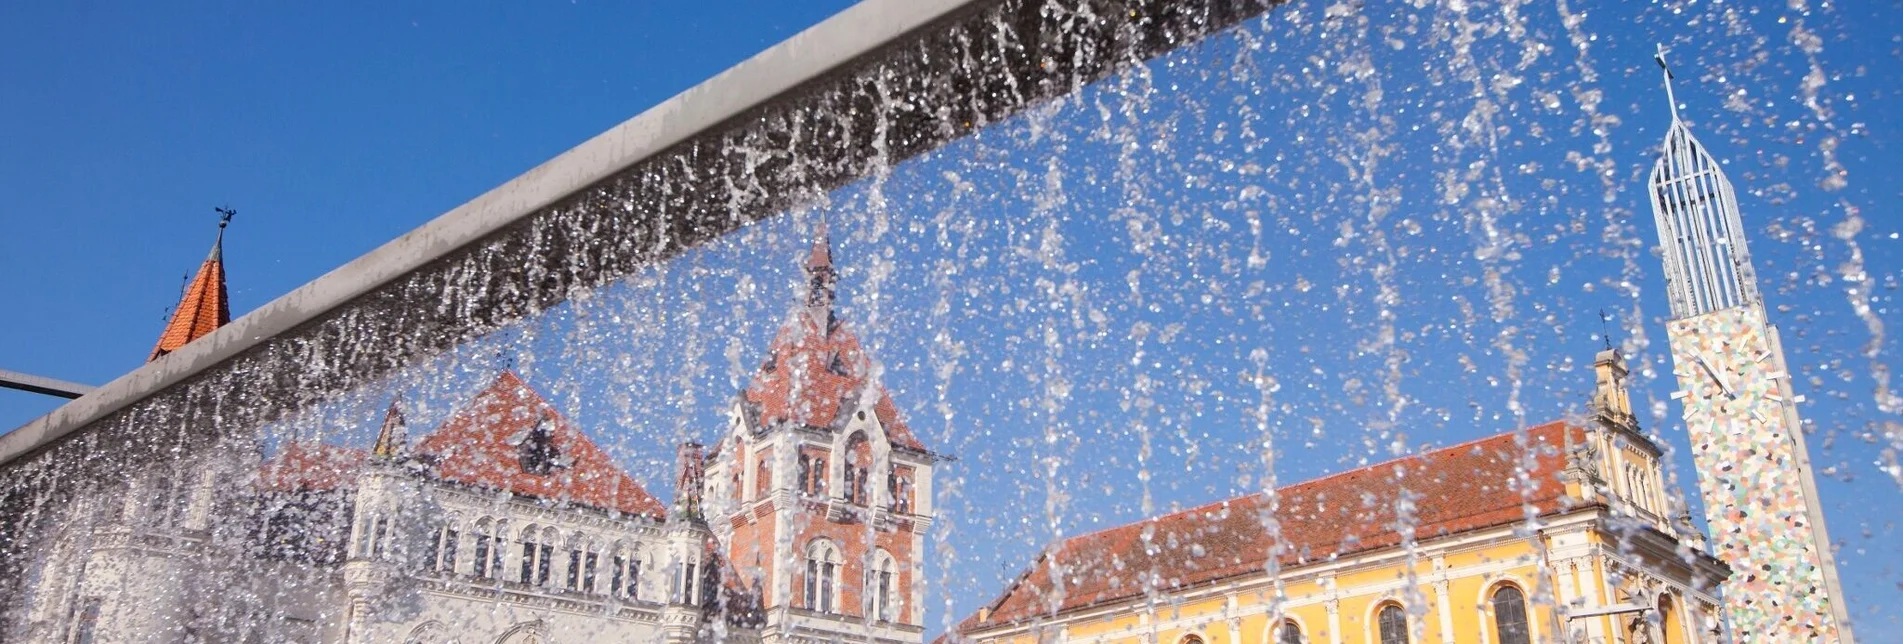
[813,375]
[481,445]
[312,466]
[1456,489]
[204,306]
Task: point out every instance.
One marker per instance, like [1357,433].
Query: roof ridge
[1299,484]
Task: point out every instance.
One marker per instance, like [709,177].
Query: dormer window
[536,451]
[837,365]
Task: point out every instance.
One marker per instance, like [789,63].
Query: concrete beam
[41,385]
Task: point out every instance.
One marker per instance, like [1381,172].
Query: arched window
[898,486]
[1392,622]
[1289,633]
[1191,639]
[764,479]
[1670,630]
[858,464]
[881,590]
[488,548]
[822,576]
[443,550]
[687,581]
[538,553]
[1509,616]
[813,473]
[582,560]
[625,579]
[380,537]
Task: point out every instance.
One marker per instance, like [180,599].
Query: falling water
[1131,281]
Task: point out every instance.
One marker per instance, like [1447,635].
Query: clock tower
[1740,413]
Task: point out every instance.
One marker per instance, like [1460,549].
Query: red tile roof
[1457,489]
[477,446]
[312,466]
[204,307]
[811,377]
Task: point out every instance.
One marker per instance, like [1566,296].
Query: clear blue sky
[336,129]
[330,128]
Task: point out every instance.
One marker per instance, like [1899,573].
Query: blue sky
[334,131]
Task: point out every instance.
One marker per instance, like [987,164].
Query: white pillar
[1334,621]
[1446,612]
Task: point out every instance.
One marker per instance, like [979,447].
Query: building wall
[1448,597]
[768,523]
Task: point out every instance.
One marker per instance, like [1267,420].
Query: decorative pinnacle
[1667,69]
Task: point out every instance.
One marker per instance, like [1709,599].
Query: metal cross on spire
[1667,69]
[1605,327]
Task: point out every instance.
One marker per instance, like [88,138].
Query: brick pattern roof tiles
[203,308]
[1457,489]
[478,446]
[812,376]
[312,466]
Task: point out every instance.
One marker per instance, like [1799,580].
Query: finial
[224,219]
[1605,328]
[821,255]
[1667,69]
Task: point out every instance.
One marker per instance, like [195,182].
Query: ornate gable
[510,438]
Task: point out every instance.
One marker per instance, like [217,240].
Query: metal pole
[42,385]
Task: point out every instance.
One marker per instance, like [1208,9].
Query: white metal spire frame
[1707,267]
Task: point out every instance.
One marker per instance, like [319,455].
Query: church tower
[819,491]
[1740,412]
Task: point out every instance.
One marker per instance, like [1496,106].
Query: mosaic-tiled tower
[1753,470]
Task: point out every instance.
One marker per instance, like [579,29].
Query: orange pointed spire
[821,256]
[393,440]
[205,306]
[820,278]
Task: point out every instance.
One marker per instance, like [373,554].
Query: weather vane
[225,216]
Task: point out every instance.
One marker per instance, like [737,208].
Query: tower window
[881,593]
[687,585]
[813,474]
[822,577]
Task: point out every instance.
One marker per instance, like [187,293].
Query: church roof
[483,445]
[812,377]
[1461,488]
[203,308]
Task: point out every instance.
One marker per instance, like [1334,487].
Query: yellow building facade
[1559,533]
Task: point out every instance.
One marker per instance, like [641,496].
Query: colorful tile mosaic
[1743,427]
